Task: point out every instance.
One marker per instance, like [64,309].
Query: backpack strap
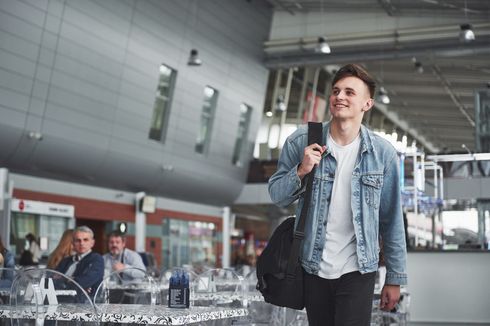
[315,135]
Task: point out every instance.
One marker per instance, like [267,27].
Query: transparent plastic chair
[128,286]
[220,287]
[41,296]
[7,276]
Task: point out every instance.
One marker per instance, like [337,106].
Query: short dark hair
[117,234]
[354,70]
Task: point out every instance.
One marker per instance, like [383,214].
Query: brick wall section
[110,212]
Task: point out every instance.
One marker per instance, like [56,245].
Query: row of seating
[36,291]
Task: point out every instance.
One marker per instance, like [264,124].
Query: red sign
[21,205]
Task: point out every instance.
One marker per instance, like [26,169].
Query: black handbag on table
[279,271]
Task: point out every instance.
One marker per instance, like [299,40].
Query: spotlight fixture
[35,135]
[194,59]
[383,96]
[322,46]
[466,34]
[466,148]
[280,104]
[418,67]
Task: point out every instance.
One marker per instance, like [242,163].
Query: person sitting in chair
[85,267]
[119,258]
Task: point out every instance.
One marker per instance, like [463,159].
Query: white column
[139,223]
[5,199]
[226,236]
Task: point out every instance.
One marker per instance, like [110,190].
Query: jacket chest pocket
[322,186]
[371,188]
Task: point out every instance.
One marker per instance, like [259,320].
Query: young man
[119,257]
[355,201]
[85,267]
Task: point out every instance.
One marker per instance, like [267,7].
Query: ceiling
[392,7]
[435,107]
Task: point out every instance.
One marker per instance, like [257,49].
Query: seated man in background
[119,257]
[85,267]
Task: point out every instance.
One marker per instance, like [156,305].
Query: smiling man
[85,267]
[356,202]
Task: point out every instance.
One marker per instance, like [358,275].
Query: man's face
[350,99]
[82,242]
[116,245]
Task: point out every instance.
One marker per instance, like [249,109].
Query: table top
[127,313]
[162,315]
[228,296]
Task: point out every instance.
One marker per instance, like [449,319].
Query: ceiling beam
[402,124]
[429,113]
[453,96]
[449,48]
[276,3]
[388,7]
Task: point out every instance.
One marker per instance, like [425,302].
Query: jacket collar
[366,137]
[366,140]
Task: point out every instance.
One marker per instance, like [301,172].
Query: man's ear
[369,105]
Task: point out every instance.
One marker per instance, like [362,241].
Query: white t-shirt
[36,251]
[339,255]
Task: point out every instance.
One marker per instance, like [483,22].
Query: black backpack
[279,272]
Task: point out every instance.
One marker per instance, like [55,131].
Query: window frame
[161,119]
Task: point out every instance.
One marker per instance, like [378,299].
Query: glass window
[207,117]
[22,224]
[52,227]
[163,99]
[241,138]
[42,226]
[188,242]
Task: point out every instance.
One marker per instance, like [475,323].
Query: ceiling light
[466,148]
[280,104]
[268,114]
[466,34]
[418,67]
[383,96]
[194,59]
[35,135]
[322,46]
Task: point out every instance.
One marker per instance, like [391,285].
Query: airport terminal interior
[154,126]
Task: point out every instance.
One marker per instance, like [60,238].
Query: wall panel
[84,74]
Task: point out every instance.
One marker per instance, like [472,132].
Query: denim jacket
[375,200]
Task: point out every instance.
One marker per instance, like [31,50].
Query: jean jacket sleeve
[391,225]
[285,186]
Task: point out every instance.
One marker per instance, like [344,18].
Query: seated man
[119,257]
[85,267]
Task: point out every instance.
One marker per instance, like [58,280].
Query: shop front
[46,221]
